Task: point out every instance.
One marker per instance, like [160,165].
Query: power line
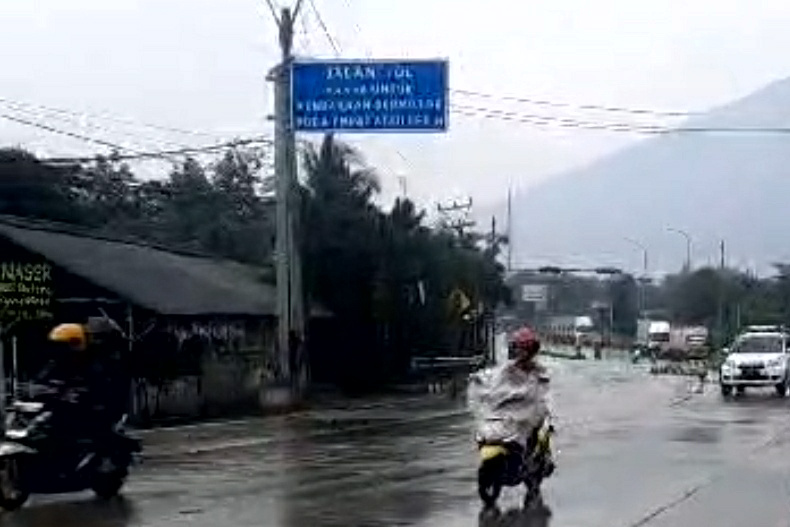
[336,47]
[158,154]
[104,116]
[66,133]
[357,29]
[556,104]
[135,154]
[540,120]
[551,120]
[470,111]
[42,116]
[503,115]
[305,34]
[324,28]
[273,7]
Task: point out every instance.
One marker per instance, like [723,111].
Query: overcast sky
[200,65]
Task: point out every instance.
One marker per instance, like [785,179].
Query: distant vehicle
[688,341]
[758,358]
[653,335]
[642,327]
[570,330]
[584,331]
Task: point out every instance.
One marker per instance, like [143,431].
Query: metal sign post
[3,394]
[14,369]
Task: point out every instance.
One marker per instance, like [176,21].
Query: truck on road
[688,342]
[653,336]
[663,340]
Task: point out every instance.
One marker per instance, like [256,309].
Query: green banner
[25,291]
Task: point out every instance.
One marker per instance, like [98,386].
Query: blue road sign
[370,96]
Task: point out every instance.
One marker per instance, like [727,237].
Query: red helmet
[525,339]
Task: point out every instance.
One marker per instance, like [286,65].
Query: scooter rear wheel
[489,486]
[107,486]
[109,479]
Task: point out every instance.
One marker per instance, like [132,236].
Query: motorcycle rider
[524,368]
[86,374]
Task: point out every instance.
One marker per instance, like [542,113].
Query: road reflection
[87,513]
[515,518]
[365,479]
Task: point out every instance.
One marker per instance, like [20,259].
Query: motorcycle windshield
[506,404]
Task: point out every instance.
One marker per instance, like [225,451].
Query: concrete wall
[231,357]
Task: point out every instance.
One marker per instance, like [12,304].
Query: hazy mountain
[714,185]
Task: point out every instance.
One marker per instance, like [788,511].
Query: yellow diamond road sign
[459,300]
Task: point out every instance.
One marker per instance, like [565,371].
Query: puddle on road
[746,421]
[74,513]
[319,423]
[697,434]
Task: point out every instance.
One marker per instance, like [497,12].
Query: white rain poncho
[507,403]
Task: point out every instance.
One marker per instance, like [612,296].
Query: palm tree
[338,171]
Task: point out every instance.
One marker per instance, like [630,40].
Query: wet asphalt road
[634,450]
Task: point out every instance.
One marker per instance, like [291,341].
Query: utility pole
[404,187]
[490,310]
[493,233]
[509,229]
[461,211]
[722,287]
[641,287]
[290,300]
[722,255]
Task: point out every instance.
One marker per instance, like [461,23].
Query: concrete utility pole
[290,299]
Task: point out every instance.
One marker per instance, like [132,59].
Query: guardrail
[428,364]
[446,374]
[15,391]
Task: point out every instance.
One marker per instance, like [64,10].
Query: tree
[341,249]
[30,188]
[388,279]
[623,292]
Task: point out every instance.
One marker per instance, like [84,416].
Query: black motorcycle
[34,458]
[509,465]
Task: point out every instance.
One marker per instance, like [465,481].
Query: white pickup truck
[758,358]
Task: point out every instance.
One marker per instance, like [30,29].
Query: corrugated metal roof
[165,282]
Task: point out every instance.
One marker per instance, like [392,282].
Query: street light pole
[644,253]
[641,307]
[687,236]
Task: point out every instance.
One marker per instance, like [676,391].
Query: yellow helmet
[72,334]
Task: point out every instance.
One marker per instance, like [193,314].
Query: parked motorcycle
[508,465]
[33,461]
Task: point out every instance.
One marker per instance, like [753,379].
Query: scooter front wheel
[12,493]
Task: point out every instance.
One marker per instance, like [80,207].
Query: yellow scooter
[508,465]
